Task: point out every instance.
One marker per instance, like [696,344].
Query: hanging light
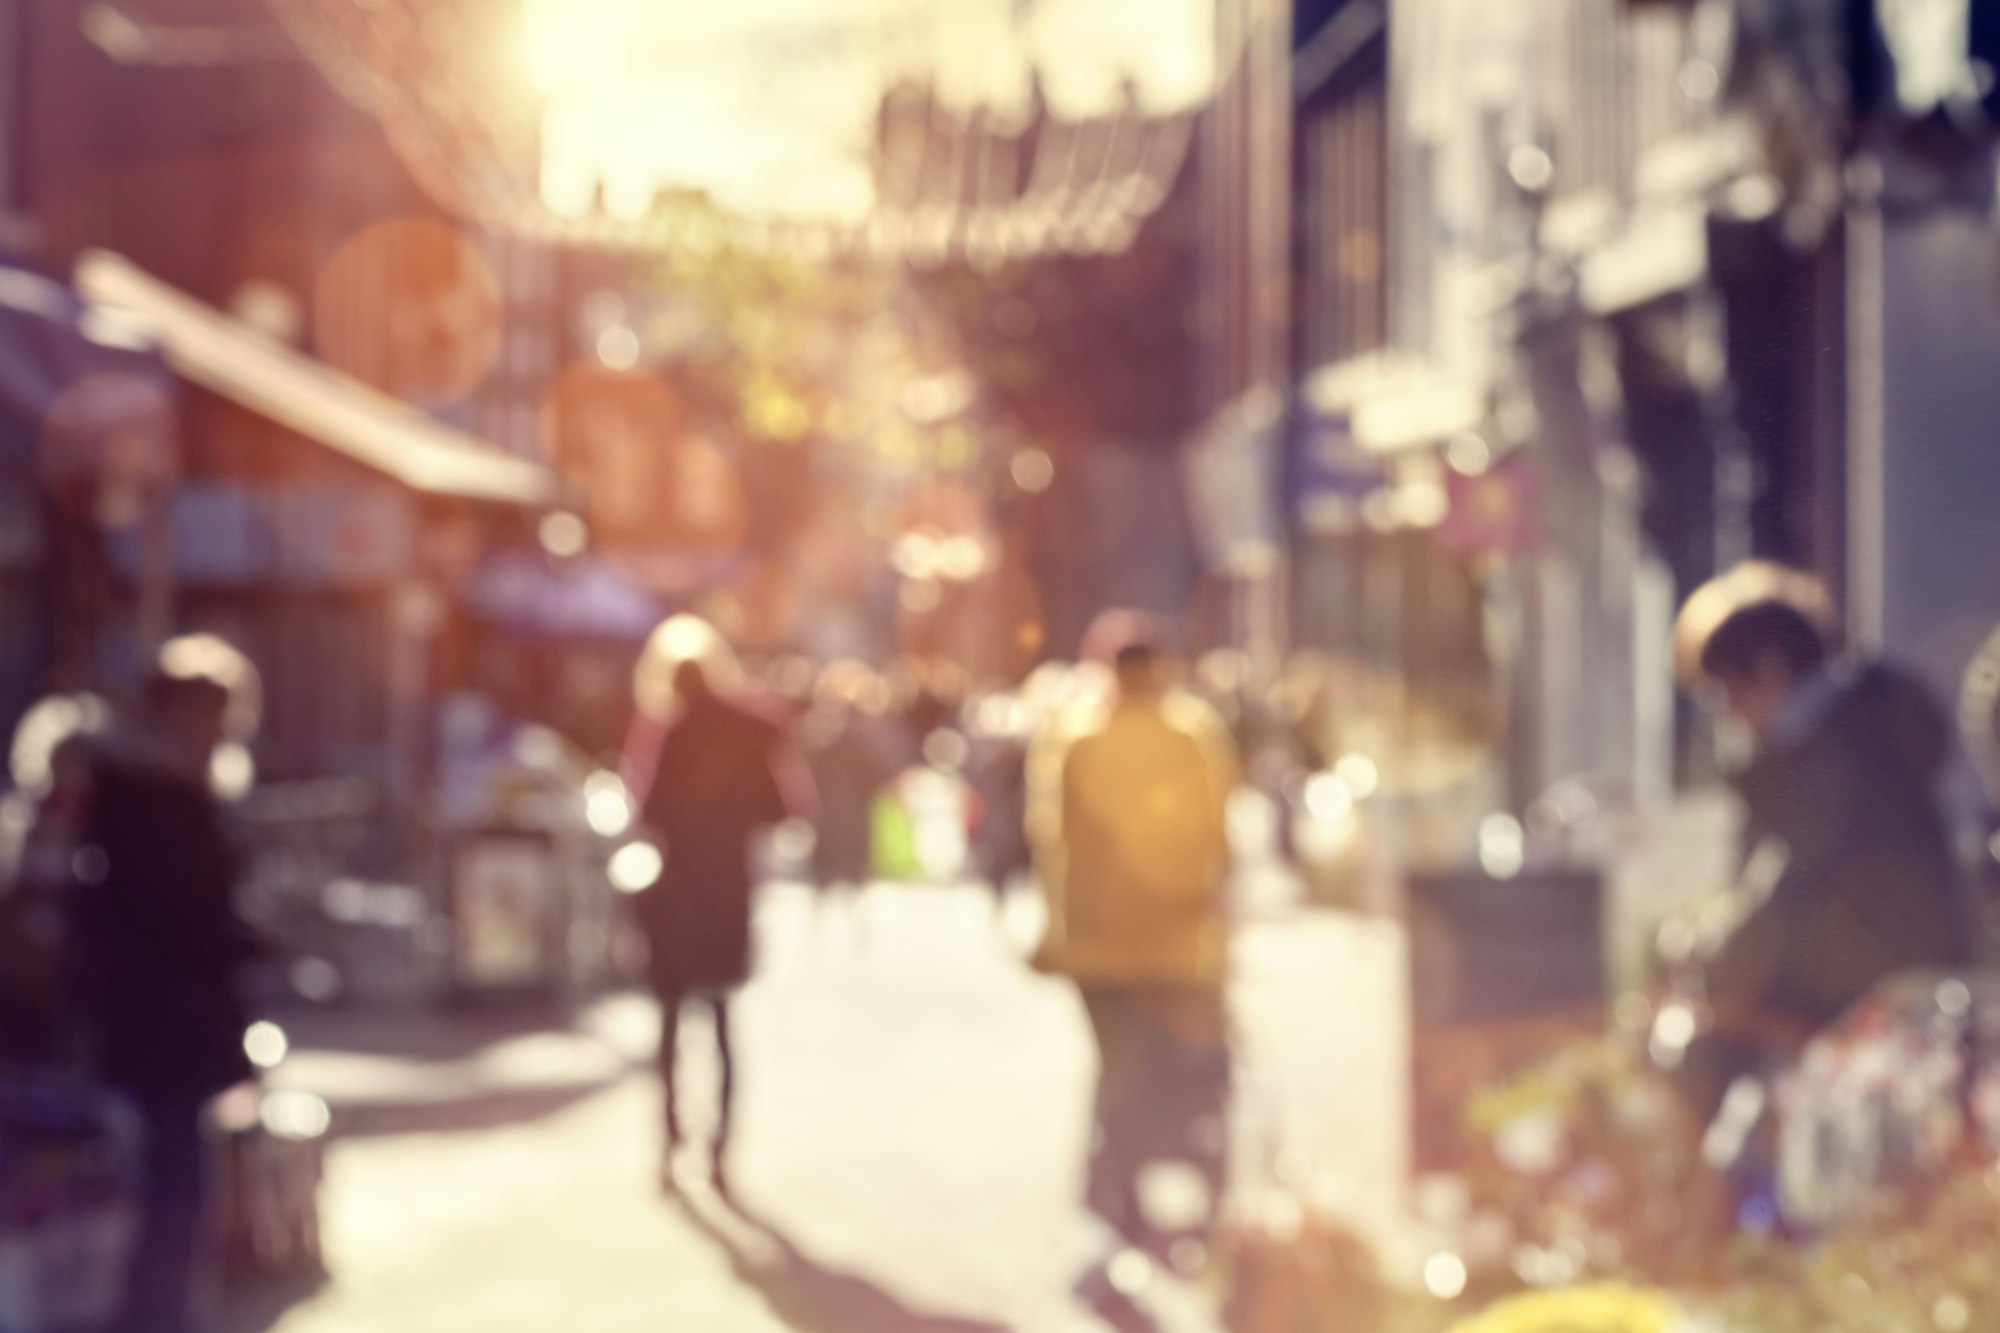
[914,129]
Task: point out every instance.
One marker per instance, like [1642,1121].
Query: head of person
[189,712]
[69,765]
[1751,638]
[202,691]
[1141,669]
[691,681]
[685,658]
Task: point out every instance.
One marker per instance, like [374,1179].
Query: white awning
[210,349]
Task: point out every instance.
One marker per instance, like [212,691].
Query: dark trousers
[173,1247]
[671,1006]
[1162,1094]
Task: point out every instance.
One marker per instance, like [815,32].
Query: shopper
[1134,856]
[157,943]
[725,772]
[851,759]
[1846,847]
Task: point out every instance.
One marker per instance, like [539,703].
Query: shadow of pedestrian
[472,1111]
[805,1294]
[258,1303]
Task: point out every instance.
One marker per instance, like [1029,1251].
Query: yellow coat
[1128,814]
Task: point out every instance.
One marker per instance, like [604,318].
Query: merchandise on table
[1580,1167]
[1906,1085]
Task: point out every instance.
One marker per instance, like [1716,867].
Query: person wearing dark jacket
[1840,798]
[725,772]
[158,942]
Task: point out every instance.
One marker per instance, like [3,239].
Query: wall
[1940,496]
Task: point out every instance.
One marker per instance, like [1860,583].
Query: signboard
[1331,474]
[1231,482]
[227,534]
[504,910]
[1502,972]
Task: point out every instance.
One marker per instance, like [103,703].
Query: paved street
[912,1125]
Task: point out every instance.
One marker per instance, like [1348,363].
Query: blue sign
[1329,474]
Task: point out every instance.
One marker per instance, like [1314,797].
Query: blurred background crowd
[1505,491]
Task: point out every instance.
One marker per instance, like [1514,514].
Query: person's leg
[1111,1188]
[1202,1055]
[726,1104]
[670,1024]
[172,1238]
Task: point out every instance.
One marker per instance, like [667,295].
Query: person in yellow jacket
[1128,813]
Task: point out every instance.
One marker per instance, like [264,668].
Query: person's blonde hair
[680,640]
[1759,604]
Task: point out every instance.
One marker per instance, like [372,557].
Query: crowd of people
[1109,782]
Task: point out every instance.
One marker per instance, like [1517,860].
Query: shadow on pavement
[803,1293]
[474,1110]
[255,1304]
[442,1033]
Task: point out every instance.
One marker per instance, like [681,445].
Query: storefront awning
[212,350]
[75,377]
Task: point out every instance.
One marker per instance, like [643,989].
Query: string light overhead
[921,130]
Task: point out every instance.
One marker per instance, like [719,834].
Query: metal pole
[1269,304]
[1866,433]
[155,619]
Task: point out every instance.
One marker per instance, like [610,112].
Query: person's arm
[639,761]
[794,794]
[1756,983]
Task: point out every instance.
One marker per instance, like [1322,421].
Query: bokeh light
[636,867]
[1445,1276]
[411,307]
[607,805]
[266,1045]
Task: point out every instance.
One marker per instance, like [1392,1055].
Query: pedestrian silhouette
[1134,856]
[726,770]
[1841,784]
[157,942]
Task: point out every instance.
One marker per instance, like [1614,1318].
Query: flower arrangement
[1604,1308]
[1934,1266]
[1584,1167]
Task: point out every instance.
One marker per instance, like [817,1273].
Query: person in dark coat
[157,945]
[998,773]
[1841,793]
[851,761]
[726,771]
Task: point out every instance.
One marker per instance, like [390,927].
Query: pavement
[913,1104]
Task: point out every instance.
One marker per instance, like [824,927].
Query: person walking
[725,771]
[1847,850]
[157,941]
[1131,836]
[851,762]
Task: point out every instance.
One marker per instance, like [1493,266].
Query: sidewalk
[912,1127]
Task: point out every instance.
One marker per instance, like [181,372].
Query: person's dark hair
[1760,631]
[1135,664]
[1758,611]
[165,691]
[1136,657]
